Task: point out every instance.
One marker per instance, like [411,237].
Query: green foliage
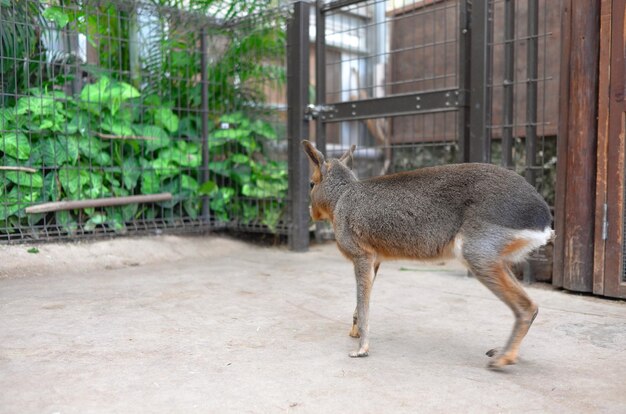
[60,136]
[122,134]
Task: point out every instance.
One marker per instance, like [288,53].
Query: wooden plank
[561,170]
[97,203]
[581,151]
[614,285]
[603,138]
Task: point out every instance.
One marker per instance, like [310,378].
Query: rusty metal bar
[532,62]
[204,81]
[320,73]
[509,83]
[480,78]
[297,125]
[464,80]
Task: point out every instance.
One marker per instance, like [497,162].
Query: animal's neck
[339,186]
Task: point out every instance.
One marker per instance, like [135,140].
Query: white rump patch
[535,239]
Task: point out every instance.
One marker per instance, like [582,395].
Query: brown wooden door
[610,225]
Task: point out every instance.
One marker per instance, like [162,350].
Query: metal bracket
[396,105]
[315,111]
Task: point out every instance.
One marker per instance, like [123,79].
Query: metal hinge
[314,111]
[605,222]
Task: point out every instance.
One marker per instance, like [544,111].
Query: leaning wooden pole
[97,202]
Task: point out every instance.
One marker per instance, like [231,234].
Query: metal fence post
[297,125]
[464,79]
[509,84]
[204,81]
[481,26]
[320,74]
[531,91]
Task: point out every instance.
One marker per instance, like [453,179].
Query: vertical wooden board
[614,285]
[581,153]
[561,170]
[603,137]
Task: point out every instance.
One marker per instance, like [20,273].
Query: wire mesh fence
[185,102]
[102,102]
[376,49]
[524,89]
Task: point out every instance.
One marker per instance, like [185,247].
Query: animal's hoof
[354,332]
[501,362]
[492,352]
[359,354]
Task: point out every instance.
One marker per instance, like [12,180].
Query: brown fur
[485,216]
[513,247]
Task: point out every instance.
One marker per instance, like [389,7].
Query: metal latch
[314,111]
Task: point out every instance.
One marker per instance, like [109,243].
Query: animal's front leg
[354,332]
[364,271]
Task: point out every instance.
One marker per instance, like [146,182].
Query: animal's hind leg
[498,279]
[354,332]
[495,351]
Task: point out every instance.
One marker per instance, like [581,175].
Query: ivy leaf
[130,173]
[66,221]
[164,168]
[233,118]
[68,146]
[95,220]
[79,123]
[7,115]
[56,152]
[187,182]
[226,135]
[264,129]
[120,92]
[128,211]
[16,145]
[271,218]
[57,15]
[96,187]
[160,137]
[166,118]
[37,105]
[91,148]
[264,189]
[24,179]
[239,158]
[72,180]
[95,96]
[208,188]
[115,126]
[220,167]
[50,189]
[150,183]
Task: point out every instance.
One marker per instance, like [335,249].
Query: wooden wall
[425,37]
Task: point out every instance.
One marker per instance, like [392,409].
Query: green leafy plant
[134,126]
[95,146]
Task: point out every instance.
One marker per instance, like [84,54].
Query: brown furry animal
[485,216]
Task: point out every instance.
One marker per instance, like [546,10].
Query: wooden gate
[609,277]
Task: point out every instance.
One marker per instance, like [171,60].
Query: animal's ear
[314,154]
[348,157]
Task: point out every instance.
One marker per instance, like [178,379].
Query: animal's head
[328,179]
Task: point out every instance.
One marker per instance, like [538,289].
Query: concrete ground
[212,325]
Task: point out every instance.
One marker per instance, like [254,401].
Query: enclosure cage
[380,49]
[124,117]
[421,82]
[135,116]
